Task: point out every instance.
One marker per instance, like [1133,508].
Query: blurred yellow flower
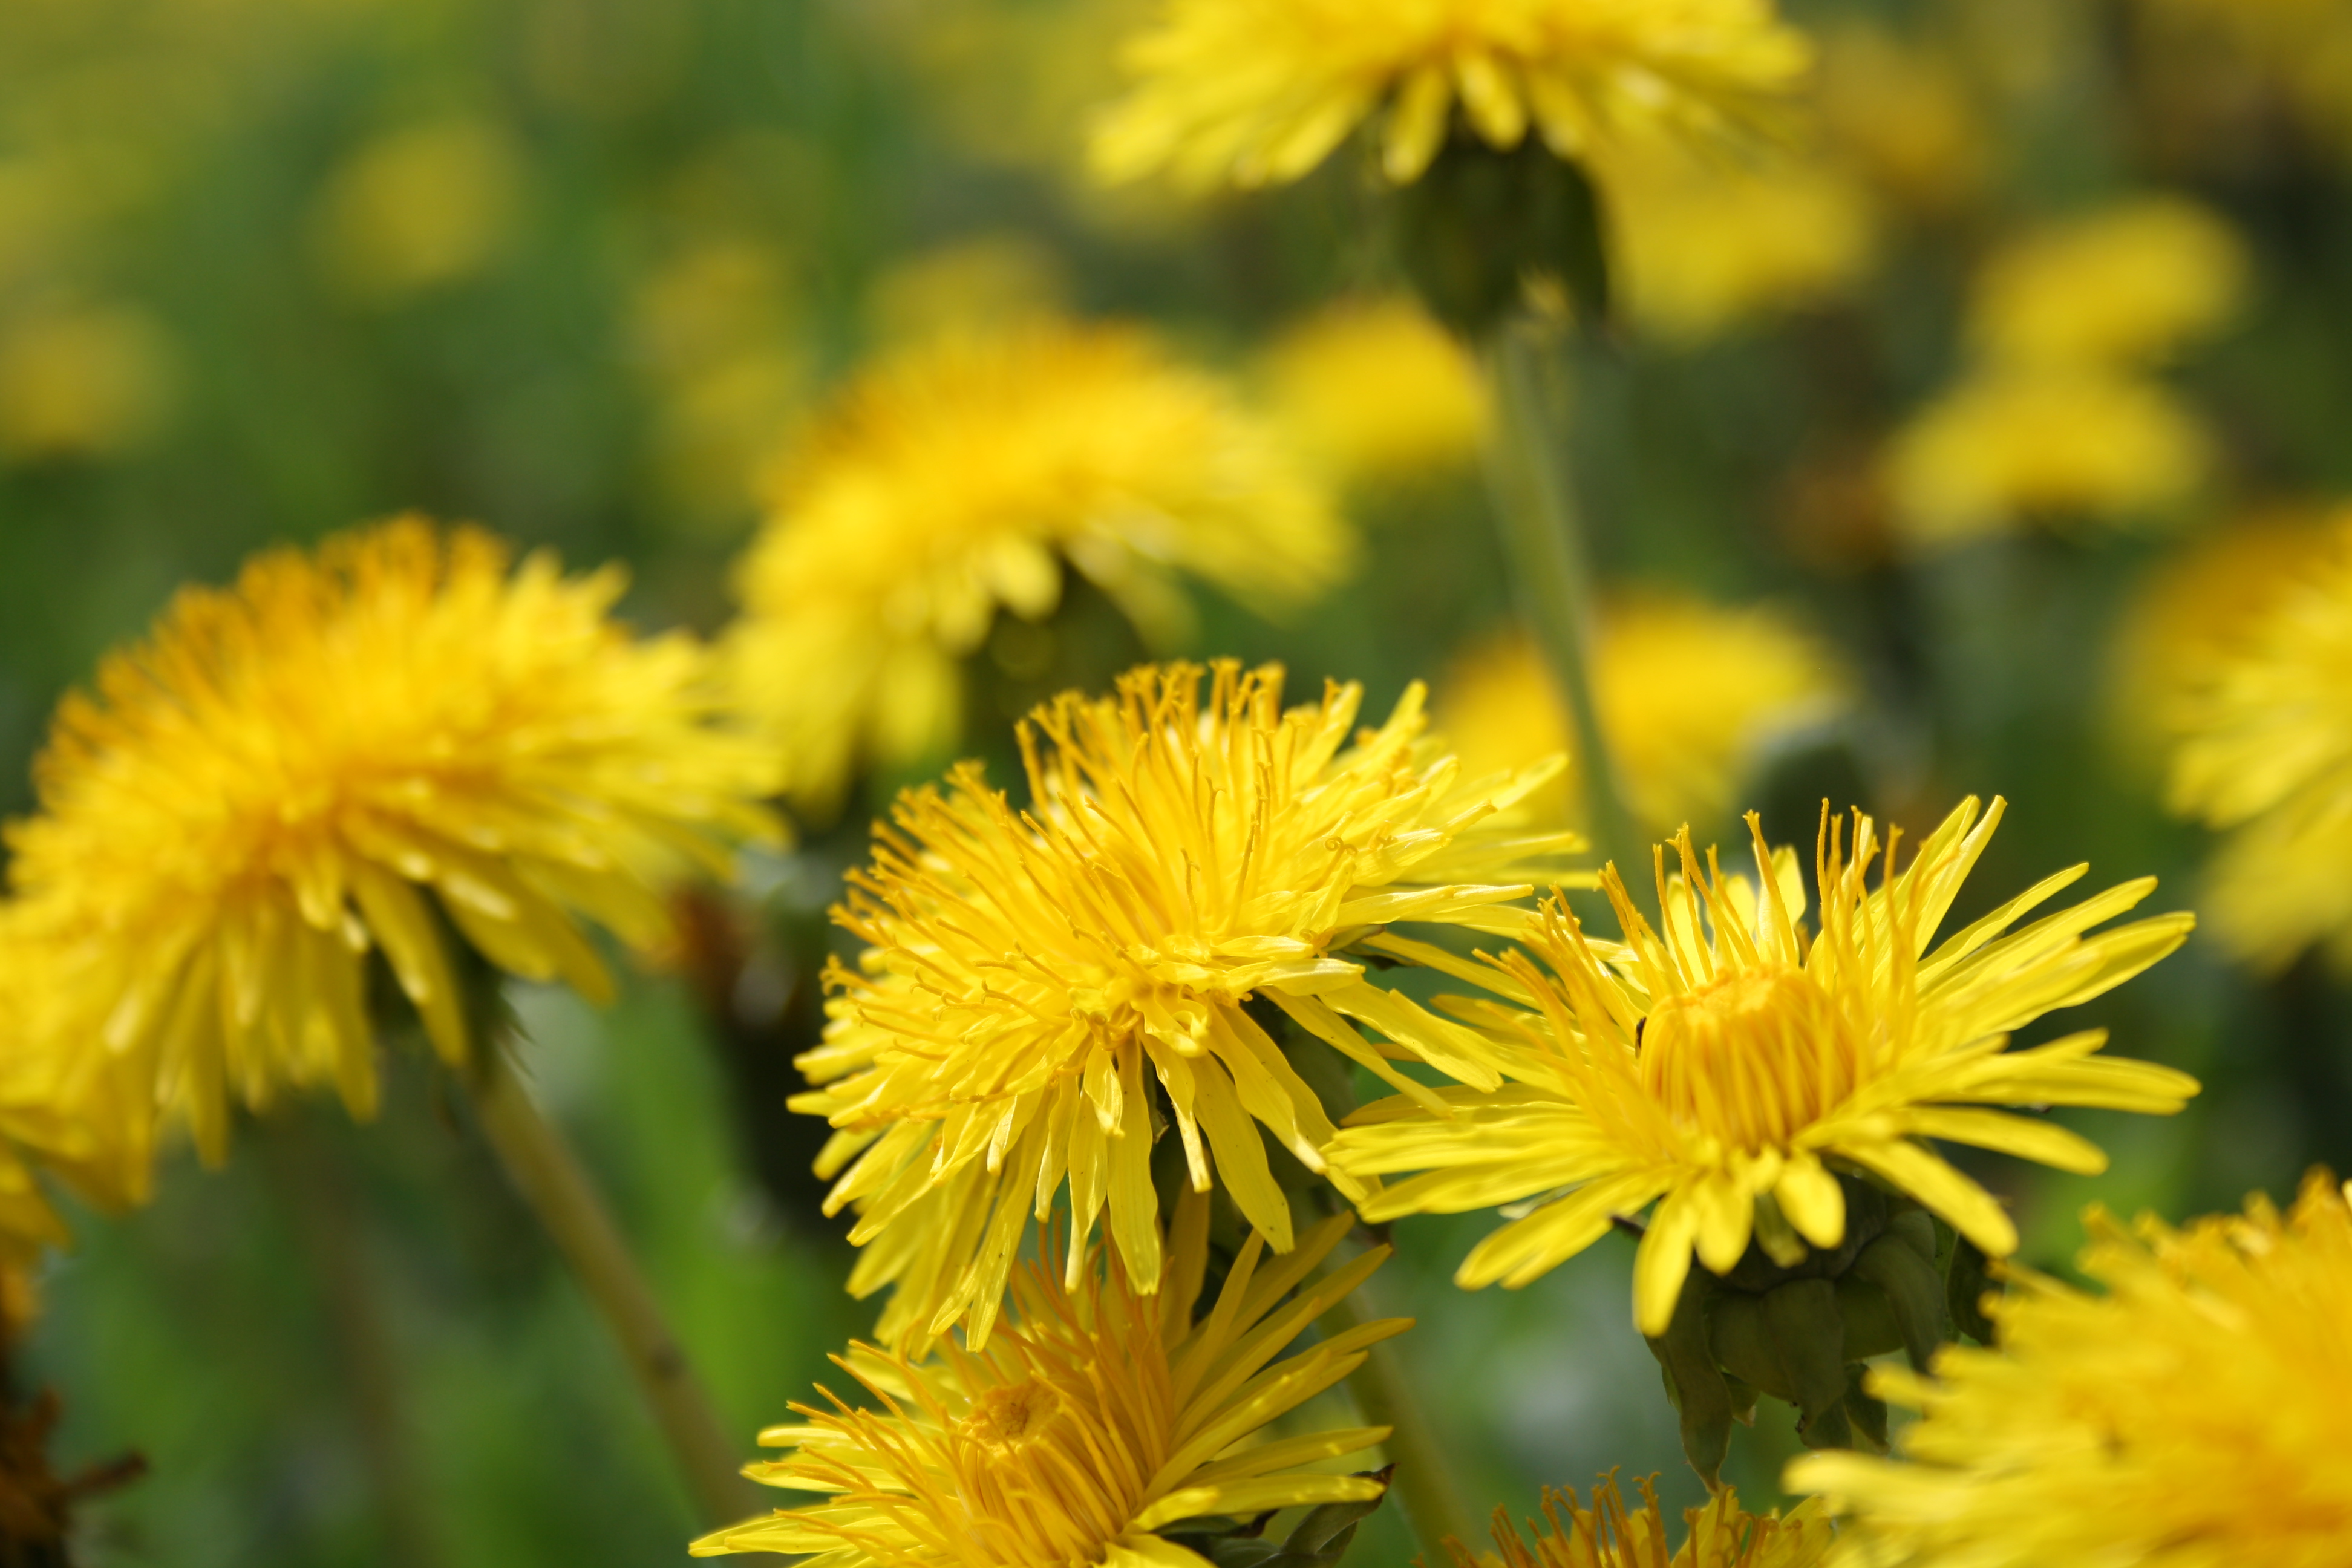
[1611,1535]
[970,286]
[2197,1413]
[1035,980]
[953,480]
[1689,695]
[418,207]
[62,1111]
[1703,245]
[2264,750]
[1719,1061]
[1378,392]
[1101,1416]
[2048,446]
[2120,287]
[85,380]
[1253,93]
[1902,115]
[256,794]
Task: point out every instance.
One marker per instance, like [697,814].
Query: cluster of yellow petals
[63,1113]
[1253,93]
[1100,1416]
[1721,1061]
[1609,1534]
[2124,285]
[2197,1413]
[1691,695]
[955,479]
[1377,392]
[2264,750]
[1033,977]
[269,787]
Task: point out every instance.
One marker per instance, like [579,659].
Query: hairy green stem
[1425,1481]
[1535,503]
[544,1167]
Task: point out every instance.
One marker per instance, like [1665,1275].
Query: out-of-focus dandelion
[1034,982]
[973,285]
[2125,286]
[87,380]
[2197,1413]
[1253,93]
[1717,1061]
[263,792]
[63,1111]
[1690,694]
[2264,752]
[956,480]
[1377,393]
[2055,446]
[1611,1534]
[1096,1423]
[1901,115]
[418,208]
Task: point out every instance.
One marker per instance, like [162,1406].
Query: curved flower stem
[1384,1394]
[544,1167]
[1535,503]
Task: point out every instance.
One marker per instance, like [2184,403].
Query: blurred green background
[571,267]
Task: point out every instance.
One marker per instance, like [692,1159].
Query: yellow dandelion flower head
[2264,749]
[955,479]
[2045,445]
[1378,392]
[1609,1534]
[1253,93]
[1689,694]
[2126,285]
[1704,246]
[266,788]
[2199,1412]
[1098,1420]
[61,1111]
[1904,116]
[1726,1062]
[1035,981]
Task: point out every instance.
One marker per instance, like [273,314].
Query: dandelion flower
[264,791]
[1611,1535]
[954,480]
[1378,392]
[1690,695]
[1034,979]
[1723,1061]
[1090,1428]
[2197,1413]
[2055,445]
[2264,750]
[2119,286]
[61,1111]
[1254,92]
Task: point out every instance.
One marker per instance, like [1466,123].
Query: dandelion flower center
[1011,1420]
[1751,1060]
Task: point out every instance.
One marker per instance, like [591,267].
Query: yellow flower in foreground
[1031,977]
[1100,1418]
[1251,92]
[62,1111]
[954,480]
[1689,693]
[1377,391]
[1611,1535]
[260,792]
[2054,446]
[1724,1061]
[2197,1414]
[2128,284]
[2265,751]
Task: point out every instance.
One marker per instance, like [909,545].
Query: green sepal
[1480,223]
[1695,1383]
[1909,1285]
[1320,1540]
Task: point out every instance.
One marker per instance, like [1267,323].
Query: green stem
[1384,1394]
[547,1172]
[1535,503]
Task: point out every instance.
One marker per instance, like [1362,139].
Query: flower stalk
[1423,1480]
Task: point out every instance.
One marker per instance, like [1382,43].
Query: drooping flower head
[957,479]
[2197,1413]
[1099,1420]
[1719,1061]
[1037,978]
[271,785]
[1254,92]
[2264,750]
[1609,1534]
[1690,694]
